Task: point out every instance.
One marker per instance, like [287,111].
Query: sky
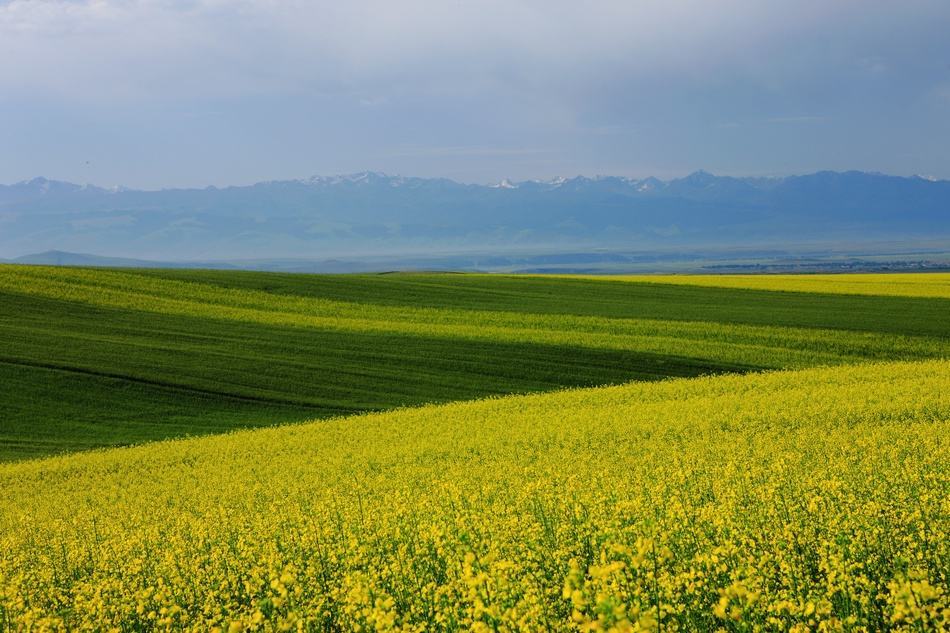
[165,93]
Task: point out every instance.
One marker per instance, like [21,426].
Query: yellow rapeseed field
[801,500]
[934,285]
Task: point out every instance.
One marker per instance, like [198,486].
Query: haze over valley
[372,215]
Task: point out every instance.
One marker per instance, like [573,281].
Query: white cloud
[159,48]
[195,91]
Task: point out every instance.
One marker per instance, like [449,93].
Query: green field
[95,358]
[473,452]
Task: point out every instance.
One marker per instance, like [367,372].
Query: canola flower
[813,500]
[917,284]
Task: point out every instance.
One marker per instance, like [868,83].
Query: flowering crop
[936,285]
[816,499]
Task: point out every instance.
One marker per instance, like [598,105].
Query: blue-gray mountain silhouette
[374,213]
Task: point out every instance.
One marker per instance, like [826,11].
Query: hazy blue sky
[154,93]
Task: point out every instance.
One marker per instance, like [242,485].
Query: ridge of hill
[325,217]
[98,357]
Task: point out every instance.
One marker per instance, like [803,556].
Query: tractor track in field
[153,382]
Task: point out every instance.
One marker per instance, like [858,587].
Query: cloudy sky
[154,93]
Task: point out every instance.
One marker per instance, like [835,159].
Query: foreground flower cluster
[808,500]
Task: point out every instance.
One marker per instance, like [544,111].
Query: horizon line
[499,184]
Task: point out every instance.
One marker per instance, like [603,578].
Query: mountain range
[372,213]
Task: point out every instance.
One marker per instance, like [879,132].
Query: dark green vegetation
[75,375]
[80,368]
[600,298]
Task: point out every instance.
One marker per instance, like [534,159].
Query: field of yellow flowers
[816,499]
[935,285]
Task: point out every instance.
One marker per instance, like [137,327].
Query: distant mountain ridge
[370,212]
[62,258]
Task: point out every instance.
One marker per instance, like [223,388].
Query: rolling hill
[798,500]
[96,357]
[635,453]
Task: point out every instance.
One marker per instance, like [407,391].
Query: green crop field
[96,358]
[632,453]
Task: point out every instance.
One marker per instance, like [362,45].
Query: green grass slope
[98,357]
[655,297]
